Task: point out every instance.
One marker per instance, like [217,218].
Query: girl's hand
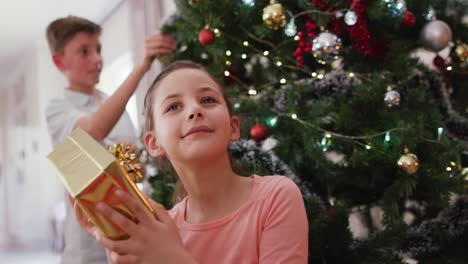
[151,239]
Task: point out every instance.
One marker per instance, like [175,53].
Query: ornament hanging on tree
[408,19]
[439,62]
[350,18]
[460,52]
[258,132]
[326,47]
[436,35]
[408,162]
[392,98]
[274,15]
[206,36]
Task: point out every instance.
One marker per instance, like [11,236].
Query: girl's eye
[208,100]
[173,107]
[84,51]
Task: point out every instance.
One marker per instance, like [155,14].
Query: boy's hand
[156,46]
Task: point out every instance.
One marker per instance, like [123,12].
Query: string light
[440,130]
[449,168]
[449,68]
[368,146]
[314,74]
[290,29]
[236,105]
[387,136]
[228,53]
[320,76]
[279,63]
[294,116]
[217,32]
[272,121]
[328,135]
[244,56]
[266,52]
[227,73]
[228,62]
[351,75]
[283,81]
[246,43]
[296,38]
[249,3]
[252,92]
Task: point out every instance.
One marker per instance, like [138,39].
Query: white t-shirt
[62,114]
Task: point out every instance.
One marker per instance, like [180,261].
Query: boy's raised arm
[99,124]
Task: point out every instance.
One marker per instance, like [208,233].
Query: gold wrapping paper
[91,174]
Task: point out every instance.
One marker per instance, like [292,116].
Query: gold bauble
[461,51]
[274,15]
[166,58]
[409,163]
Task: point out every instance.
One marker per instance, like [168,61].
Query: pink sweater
[271,227]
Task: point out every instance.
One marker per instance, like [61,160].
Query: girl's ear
[235,128]
[152,145]
[58,61]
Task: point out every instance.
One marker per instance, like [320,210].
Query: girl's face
[191,118]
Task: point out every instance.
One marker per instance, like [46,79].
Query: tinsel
[430,235]
[263,159]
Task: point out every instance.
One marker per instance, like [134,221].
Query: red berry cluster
[304,44]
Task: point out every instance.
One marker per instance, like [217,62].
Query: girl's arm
[285,235]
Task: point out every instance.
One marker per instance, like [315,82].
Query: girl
[224,218]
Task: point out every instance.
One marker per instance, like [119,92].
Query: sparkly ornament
[274,15]
[326,47]
[408,162]
[408,19]
[436,35]
[350,18]
[430,14]
[206,36]
[258,132]
[392,98]
[397,7]
[461,52]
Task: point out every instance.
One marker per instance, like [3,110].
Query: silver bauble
[436,35]
[392,98]
[326,47]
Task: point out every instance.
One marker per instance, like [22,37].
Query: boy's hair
[183,64]
[62,30]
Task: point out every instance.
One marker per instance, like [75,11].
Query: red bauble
[408,19]
[206,37]
[258,132]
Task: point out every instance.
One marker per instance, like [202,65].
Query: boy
[76,51]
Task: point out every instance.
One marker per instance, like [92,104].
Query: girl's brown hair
[165,164]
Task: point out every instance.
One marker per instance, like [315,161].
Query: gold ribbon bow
[128,160]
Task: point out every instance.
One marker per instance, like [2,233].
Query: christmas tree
[361,102]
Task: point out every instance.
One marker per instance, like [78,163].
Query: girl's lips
[198,129]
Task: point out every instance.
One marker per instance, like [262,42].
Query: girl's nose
[192,116]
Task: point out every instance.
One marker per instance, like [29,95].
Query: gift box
[92,174]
